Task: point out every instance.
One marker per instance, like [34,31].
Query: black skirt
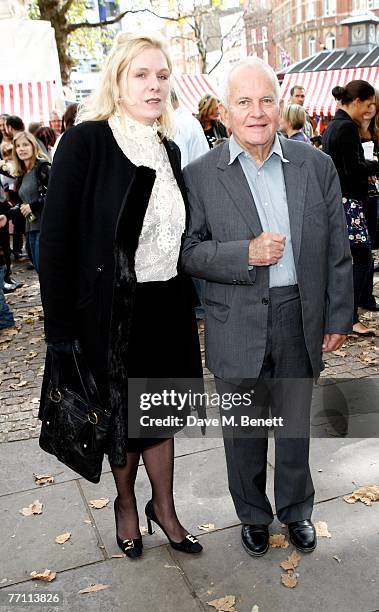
[163,342]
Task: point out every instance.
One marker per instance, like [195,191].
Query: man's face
[10,132]
[298,96]
[253,110]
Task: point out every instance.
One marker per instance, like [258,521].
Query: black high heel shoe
[190,544]
[132,548]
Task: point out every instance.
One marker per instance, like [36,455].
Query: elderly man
[297,93]
[267,232]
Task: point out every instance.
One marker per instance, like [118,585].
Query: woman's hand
[3,221]
[25,209]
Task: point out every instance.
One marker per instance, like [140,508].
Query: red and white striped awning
[318,86]
[190,88]
[32,101]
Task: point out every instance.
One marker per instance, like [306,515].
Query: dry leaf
[31,355]
[35,400]
[43,479]
[93,588]
[99,503]
[255,609]
[61,539]
[289,580]
[35,340]
[207,527]
[337,558]
[47,575]
[322,530]
[339,353]
[291,562]
[366,494]
[88,522]
[18,385]
[225,604]
[34,508]
[278,540]
[121,556]
[143,530]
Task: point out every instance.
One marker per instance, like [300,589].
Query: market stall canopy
[319,74]
[33,100]
[190,88]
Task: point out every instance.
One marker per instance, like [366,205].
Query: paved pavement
[341,575]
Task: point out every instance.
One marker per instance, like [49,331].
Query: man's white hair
[254,62]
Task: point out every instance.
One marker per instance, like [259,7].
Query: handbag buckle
[93,418]
[55,395]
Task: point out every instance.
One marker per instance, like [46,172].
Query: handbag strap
[85,375]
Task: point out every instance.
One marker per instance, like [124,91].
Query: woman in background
[292,122]
[209,117]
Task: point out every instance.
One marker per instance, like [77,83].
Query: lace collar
[129,127]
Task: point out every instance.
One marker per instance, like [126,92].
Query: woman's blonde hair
[19,165]
[295,115]
[207,105]
[6,149]
[105,100]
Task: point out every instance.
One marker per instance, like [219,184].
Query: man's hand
[3,220]
[25,209]
[266,249]
[332,342]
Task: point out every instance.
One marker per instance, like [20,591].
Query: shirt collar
[235,150]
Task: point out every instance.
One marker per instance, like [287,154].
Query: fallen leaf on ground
[93,588]
[278,540]
[34,508]
[337,558]
[322,530]
[366,494]
[35,400]
[207,527]
[4,346]
[35,340]
[99,503]
[43,479]
[339,353]
[61,539]
[31,355]
[120,556]
[225,604]
[47,575]
[143,530]
[291,562]
[88,521]
[289,580]
[18,385]
[255,609]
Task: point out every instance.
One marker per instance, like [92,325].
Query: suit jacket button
[234,282]
[265,301]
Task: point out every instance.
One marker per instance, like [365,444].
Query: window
[254,36]
[299,11]
[329,7]
[312,46]
[330,42]
[264,34]
[311,9]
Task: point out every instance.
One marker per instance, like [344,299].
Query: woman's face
[214,112]
[144,86]
[364,109]
[24,149]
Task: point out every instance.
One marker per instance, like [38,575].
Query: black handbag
[74,425]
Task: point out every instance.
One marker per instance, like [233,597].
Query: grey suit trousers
[285,387]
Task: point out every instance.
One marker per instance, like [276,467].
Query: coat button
[99,269]
[265,301]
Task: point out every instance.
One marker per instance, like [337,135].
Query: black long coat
[342,142]
[92,220]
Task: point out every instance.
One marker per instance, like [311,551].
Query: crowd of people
[115,231]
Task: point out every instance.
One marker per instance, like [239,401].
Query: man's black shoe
[255,539]
[303,535]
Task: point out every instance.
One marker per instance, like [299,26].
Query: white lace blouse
[159,244]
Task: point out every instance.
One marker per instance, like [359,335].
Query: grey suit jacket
[223,219]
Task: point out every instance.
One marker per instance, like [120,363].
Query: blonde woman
[32,168]
[210,119]
[292,122]
[110,244]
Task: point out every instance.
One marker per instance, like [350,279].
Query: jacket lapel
[234,181]
[173,157]
[295,179]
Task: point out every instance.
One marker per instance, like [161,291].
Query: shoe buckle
[130,544]
[191,538]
